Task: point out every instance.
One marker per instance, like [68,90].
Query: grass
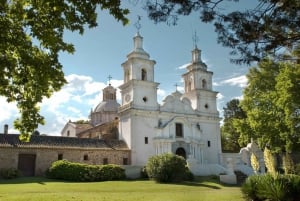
[42,189]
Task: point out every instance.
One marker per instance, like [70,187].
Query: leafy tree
[252,33]
[271,102]
[230,135]
[31,38]
[288,85]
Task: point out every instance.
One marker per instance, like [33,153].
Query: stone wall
[45,156]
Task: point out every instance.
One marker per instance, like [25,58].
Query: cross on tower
[138,24]
[195,39]
[109,78]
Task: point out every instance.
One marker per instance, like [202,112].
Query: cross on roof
[109,78]
[176,85]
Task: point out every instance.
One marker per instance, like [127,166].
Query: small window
[125,161]
[146,140]
[85,157]
[179,130]
[145,99]
[60,156]
[68,133]
[208,143]
[105,161]
[144,74]
[206,106]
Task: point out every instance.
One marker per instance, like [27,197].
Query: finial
[176,85]
[195,39]
[138,24]
[109,78]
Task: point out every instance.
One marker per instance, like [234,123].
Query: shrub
[167,168]
[9,173]
[144,174]
[273,187]
[66,170]
[269,161]
[297,169]
[288,164]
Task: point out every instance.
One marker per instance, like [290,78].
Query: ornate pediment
[174,103]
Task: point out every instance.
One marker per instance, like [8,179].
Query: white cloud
[7,110]
[183,66]
[240,81]
[220,96]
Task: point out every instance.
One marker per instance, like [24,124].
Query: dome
[107,106]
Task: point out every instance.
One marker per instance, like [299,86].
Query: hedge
[63,169]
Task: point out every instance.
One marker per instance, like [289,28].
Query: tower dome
[107,109]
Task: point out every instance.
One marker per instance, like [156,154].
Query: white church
[186,124]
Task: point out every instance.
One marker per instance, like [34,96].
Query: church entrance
[181,152]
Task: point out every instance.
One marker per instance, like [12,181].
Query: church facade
[185,123]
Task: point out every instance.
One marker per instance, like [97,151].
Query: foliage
[272,119]
[66,170]
[252,33]
[81,121]
[167,168]
[30,41]
[288,164]
[229,134]
[272,187]
[143,173]
[9,173]
[269,161]
[297,169]
[254,162]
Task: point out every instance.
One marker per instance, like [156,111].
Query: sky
[101,51]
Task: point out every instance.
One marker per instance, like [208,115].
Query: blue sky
[101,51]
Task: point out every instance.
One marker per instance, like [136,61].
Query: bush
[66,170]
[144,174]
[167,168]
[272,187]
[297,169]
[9,173]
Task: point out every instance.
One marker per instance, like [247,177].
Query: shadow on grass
[191,183]
[25,180]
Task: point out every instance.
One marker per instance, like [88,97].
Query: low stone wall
[44,157]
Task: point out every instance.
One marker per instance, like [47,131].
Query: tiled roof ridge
[12,140]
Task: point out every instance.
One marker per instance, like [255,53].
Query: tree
[253,33]
[230,135]
[30,39]
[271,102]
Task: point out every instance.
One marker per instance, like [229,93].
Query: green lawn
[42,189]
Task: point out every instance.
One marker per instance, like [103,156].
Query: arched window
[204,85]
[144,74]
[126,75]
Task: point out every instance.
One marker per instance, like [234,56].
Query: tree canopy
[31,37]
[270,27]
[230,135]
[272,102]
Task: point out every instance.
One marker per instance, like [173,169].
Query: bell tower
[139,91]
[198,85]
